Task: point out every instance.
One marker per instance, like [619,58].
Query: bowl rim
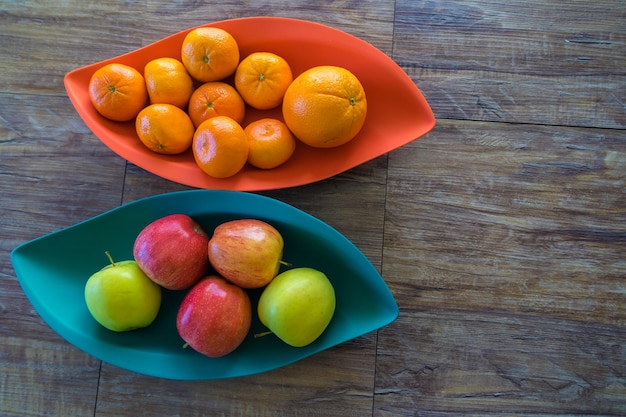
[330,162]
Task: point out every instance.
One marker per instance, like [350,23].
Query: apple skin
[297,305]
[247,252]
[214,317]
[121,297]
[172,251]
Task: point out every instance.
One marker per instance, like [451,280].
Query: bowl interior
[397,111]
[53,270]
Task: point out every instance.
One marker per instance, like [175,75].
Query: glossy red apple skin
[214,317]
[172,251]
[247,252]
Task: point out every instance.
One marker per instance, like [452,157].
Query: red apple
[247,252]
[214,317]
[172,251]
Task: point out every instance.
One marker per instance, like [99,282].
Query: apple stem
[288,264]
[257,335]
[110,257]
[186,345]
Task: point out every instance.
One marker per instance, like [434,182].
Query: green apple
[297,305]
[121,297]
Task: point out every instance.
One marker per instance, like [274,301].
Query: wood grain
[370,20]
[313,386]
[43,41]
[490,363]
[501,233]
[48,182]
[46,378]
[522,231]
[521,62]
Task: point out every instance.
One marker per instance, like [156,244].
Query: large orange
[220,147]
[270,143]
[215,98]
[325,106]
[164,128]
[168,82]
[210,54]
[118,92]
[262,79]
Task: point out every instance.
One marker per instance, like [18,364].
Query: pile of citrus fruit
[199,101]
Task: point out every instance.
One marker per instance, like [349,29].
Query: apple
[214,316]
[172,251]
[297,305]
[247,252]
[121,297]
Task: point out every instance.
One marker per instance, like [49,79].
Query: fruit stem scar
[206,59]
[111,89]
[352,101]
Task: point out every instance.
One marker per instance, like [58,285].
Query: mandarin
[270,143]
[118,92]
[164,128]
[215,98]
[220,147]
[325,106]
[209,54]
[262,79]
[168,81]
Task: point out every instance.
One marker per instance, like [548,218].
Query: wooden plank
[371,20]
[47,159]
[48,182]
[39,377]
[546,100]
[504,246]
[518,62]
[444,363]
[42,41]
[40,373]
[337,382]
[519,37]
[522,219]
[44,127]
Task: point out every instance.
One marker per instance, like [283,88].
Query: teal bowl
[53,270]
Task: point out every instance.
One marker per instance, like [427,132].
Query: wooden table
[502,233]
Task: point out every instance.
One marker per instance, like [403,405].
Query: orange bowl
[397,111]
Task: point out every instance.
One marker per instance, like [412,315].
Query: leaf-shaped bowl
[53,270]
[397,111]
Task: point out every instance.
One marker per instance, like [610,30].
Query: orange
[270,143]
[215,99]
[210,54]
[220,147]
[164,128]
[325,106]
[262,79]
[118,92]
[168,82]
